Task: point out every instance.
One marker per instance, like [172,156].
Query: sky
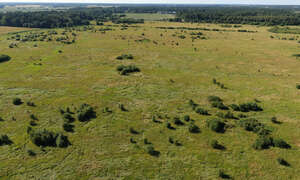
[274,2]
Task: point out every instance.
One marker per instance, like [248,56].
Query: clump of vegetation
[17,101]
[275,121]
[219,84]
[216,145]
[193,128]
[193,104]
[29,103]
[125,70]
[125,56]
[4,58]
[280,143]
[177,121]
[298,86]
[263,142]
[47,138]
[68,127]
[283,162]
[217,102]
[254,125]
[31,152]
[85,113]
[216,125]
[150,150]
[227,115]
[122,107]
[169,126]
[187,118]
[223,175]
[4,140]
[133,131]
[246,107]
[202,111]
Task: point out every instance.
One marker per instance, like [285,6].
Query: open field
[173,69]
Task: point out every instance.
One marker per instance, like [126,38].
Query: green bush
[192,104]
[133,131]
[47,138]
[216,125]
[187,118]
[283,162]
[223,175]
[277,142]
[17,101]
[177,121]
[31,152]
[150,150]
[68,127]
[263,142]
[125,70]
[4,58]
[298,86]
[214,99]
[85,113]
[275,121]
[253,125]
[4,140]
[193,128]
[29,103]
[68,118]
[251,106]
[125,56]
[215,144]
[202,111]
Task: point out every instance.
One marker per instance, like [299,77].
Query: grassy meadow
[173,70]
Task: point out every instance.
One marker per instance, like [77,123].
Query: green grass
[251,65]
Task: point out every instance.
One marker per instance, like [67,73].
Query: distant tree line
[239,15]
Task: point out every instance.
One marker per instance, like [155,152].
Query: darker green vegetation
[219,84]
[4,140]
[17,101]
[193,128]
[285,30]
[216,145]
[85,113]
[217,102]
[298,86]
[246,107]
[254,125]
[125,56]
[216,125]
[47,138]
[239,15]
[4,58]
[283,162]
[126,70]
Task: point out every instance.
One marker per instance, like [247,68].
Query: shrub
[32,123]
[281,143]
[68,118]
[192,104]
[177,121]
[214,99]
[253,125]
[187,118]
[132,131]
[122,108]
[171,140]
[4,58]
[234,107]
[219,105]
[47,138]
[33,117]
[193,128]
[125,56]
[275,121]
[251,106]
[125,70]
[216,125]
[169,126]
[68,127]
[298,86]
[85,113]
[30,104]
[31,152]
[223,175]
[146,141]
[283,162]
[263,142]
[132,141]
[202,111]
[215,144]
[4,140]
[17,101]
[150,150]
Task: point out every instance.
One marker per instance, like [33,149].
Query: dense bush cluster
[125,56]
[4,140]
[246,107]
[85,113]
[17,101]
[216,125]
[217,102]
[254,125]
[47,138]
[265,142]
[125,70]
[4,58]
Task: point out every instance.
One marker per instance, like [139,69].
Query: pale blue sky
[276,2]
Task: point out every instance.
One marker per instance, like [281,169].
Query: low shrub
[255,126]
[280,143]
[298,86]
[31,152]
[4,58]
[150,150]
[169,126]
[263,142]
[283,162]
[133,131]
[223,175]
[177,121]
[17,101]
[275,121]
[202,111]
[125,56]
[29,103]
[125,70]
[187,118]
[4,140]
[85,113]
[215,144]
[47,138]
[193,128]
[68,127]
[216,125]
[214,99]
[192,104]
